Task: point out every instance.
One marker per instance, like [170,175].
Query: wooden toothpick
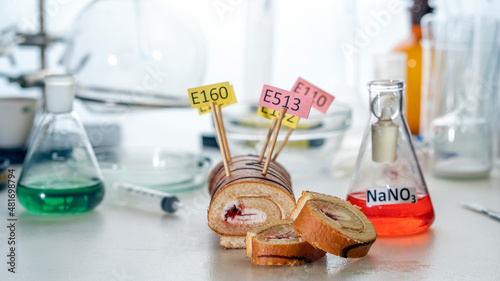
[219,138]
[266,141]
[223,133]
[283,143]
[273,142]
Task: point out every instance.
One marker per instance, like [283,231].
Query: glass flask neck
[386,98]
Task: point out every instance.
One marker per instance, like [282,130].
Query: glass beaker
[60,173]
[460,87]
[387,182]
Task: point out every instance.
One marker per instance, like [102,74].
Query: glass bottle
[387,182]
[60,172]
[413,50]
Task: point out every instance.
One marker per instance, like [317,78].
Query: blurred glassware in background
[390,66]
[311,147]
[158,168]
[135,52]
[258,47]
[365,32]
[460,89]
[413,50]
[7,29]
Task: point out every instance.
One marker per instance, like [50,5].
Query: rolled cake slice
[278,244]
[333,225]
[306,195]
[246,199]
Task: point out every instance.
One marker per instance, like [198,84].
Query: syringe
[143,198]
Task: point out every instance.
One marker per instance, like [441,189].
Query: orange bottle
[413,50]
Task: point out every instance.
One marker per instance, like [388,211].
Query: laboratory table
[118,243]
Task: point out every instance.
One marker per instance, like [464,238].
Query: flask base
[61,201]
[397,219]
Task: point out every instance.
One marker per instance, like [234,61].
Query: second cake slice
[278,244]
[333,225]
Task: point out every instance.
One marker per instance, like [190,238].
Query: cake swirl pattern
[247,199]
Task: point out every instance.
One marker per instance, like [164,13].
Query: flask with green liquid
[60,172]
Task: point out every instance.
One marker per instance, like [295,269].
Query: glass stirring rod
[144,198]
[481,209]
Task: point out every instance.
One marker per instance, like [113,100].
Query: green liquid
[57,199]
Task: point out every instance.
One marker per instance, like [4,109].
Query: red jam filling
[235,211]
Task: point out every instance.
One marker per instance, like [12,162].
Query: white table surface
[120,243]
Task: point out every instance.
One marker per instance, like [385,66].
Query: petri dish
[156,168]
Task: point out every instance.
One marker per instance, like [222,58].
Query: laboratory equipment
[10,35]
[460,88]
[413,50]
[143,198]
[390,66]
[258,47]
[481,209]
[311,148]
[7,29]
[387,182]
[158,168]
[60,172]
[17,114]
[14,38]
[157,54]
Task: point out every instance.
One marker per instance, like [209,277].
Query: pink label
[321,99]
[276,98]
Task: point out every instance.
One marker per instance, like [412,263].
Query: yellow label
[289,120]
[205,109]
[220,93]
